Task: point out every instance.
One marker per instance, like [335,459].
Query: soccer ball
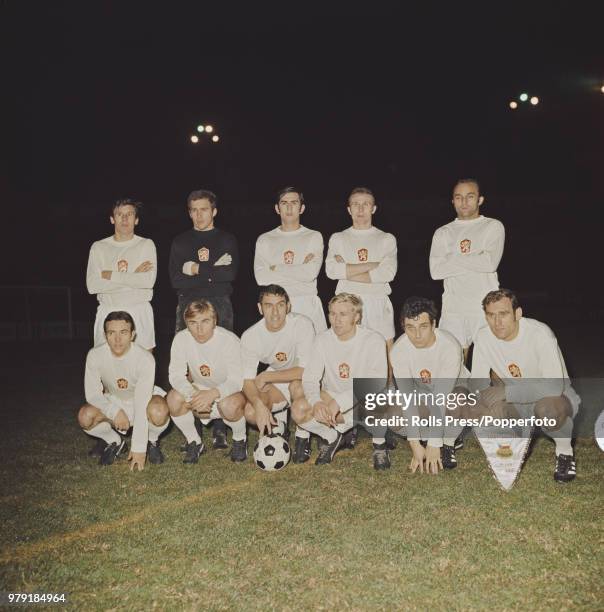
[271,453]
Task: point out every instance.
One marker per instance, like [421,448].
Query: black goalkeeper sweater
[204,248]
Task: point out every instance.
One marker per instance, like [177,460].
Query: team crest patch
[204,370]
[280,356]
[465,245]
[514,370]
[288,257]
[122,383]
[426,376]
[344,370]
[122,265]
[363,254]
[203,254]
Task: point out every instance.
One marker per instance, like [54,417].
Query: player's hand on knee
[322,413]
[121,422]
[137,460]
[265,421]
[433,460]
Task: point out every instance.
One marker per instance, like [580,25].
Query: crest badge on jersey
[204,370]
[122,265]
[514,370]
[425,376]
[363,254]
[203,254]
[465,246]
[281,356]
[344,370]
[122,383]
[288,257]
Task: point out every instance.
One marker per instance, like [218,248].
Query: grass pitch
[223,536]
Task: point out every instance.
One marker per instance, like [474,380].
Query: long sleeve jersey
[359,246]
[121,258]
[335,363]
[286,251]
[465,255]
[531,364]
[130,378]
[204,248]
[215,364]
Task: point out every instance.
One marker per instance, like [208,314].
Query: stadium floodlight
[523,97]
[209,128]
[534,100]
[602,89]
[194,139]
[513,105]
[215,138]
[200,128]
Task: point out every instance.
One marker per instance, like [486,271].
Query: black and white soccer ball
[272,453]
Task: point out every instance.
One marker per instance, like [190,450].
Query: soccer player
[465,254]
[429,360]
[121,272]
[291,256]
[120,394]
[363,260]
[522,356]
[203,264]
[340,354]
[283,341]
[206,378]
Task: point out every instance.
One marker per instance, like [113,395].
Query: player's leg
[378,432]
[302,437]
[457,410]
[158,416]
[232,411]
[96,424]
[560,410]
[311,307]
[183,418]
[145,326]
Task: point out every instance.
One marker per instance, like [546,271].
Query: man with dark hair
[431,361]
[203,264]
[291,256]
[120,394]
[519,368]
[121,272]
[465,254]
[282,340]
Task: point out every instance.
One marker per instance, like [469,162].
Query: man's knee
[232,406]
[557,408]
[295,390]
[176,403]
[87,415]
[300,410]
[249,413]
[157,411]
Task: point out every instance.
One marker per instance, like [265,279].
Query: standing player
[465,254]
[523,357]
[363,260]
[205,373]
[291,256]
[121,272]
[119,393]
[203,265]
[340,354]
[283,341]
[431,361]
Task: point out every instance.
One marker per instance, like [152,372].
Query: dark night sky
[100,97]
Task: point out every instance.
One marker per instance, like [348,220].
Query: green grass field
[224,536]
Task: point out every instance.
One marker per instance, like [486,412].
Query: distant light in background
[200,128]
[534,100]
[194,139]
[523,97]
[602,89]
[209,129]
[513,104]
[215,138]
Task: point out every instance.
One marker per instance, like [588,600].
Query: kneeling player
[430,361]
[283,341]
[340,354]
[120,394]
[205,374]
[513,348]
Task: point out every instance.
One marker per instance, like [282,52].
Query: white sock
[155,431]
[327,433]
[379,440]
[302,433]
[186,424]
[562,437]
[281,419]
[238,428]
[105,432]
